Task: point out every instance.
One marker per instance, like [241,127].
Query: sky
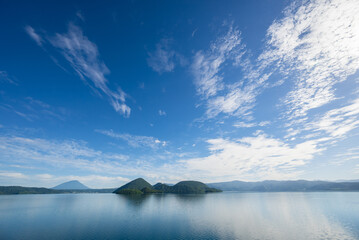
[107,91]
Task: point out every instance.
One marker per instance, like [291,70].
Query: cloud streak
[60,154]
[84,58]
[257,157]
[162,112]
[164,58]
[315,43]
[206,66]
[35,36]
[134,140]
[49,180]
[4,77]
[221,95]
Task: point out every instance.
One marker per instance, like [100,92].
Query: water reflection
[272,216]
[134,200]
[171,216]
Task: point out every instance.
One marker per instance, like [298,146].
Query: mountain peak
[71,185]
[137,184]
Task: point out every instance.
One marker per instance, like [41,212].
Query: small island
[141,186]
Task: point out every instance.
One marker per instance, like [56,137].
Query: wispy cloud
[257,157]
[315,43]
[206,66]
[84,58]
[250,124]
[80,15]
[164,58]
[50,180]
[4,77]
[233,97]
[33,109]
[68,154]
[162,113]
[134,140]
[102,169]
[35,36]
[12,175]
[337,122]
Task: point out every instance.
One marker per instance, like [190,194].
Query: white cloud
[251,124]
[36,37]
[315,43]
[206,66]
[84,58]
[351,154]
[220,95]
[135,141]
[12,175]
[49,180]
[33,109]
[162,113]
[336,123]
[164,59]
[258,157]
[60,154]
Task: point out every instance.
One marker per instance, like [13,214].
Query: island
[141,186]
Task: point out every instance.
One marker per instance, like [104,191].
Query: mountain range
[140,186]
[286,186]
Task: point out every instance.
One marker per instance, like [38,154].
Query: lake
[227,215]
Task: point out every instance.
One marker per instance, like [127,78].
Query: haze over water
[228,215]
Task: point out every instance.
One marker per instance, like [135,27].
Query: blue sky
[105,92]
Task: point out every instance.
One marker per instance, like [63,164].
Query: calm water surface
[228,215]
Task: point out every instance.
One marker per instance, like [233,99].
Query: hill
[140,186]
[194,187]
[134,187]
[71,185]
[162,187]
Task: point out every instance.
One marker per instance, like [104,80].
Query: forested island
[141,186]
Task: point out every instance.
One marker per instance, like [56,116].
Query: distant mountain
[353,180]
[286,186]
[141,186]
[71,185]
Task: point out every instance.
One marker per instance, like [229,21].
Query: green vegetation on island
[185,187]
[141,186]
[134,187]
[37,190]
[25,190]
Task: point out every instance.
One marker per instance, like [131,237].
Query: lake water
[228,215]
